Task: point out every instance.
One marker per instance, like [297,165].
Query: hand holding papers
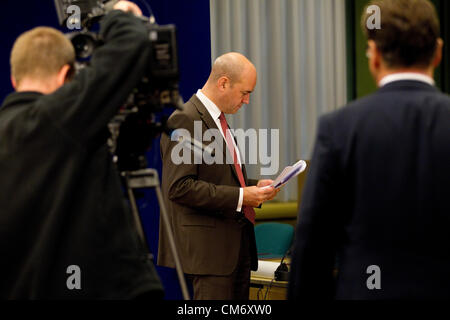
[288,173]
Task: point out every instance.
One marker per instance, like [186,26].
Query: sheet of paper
[287,174]
[266,269]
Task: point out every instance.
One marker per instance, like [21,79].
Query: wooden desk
[263,288]
[267,289]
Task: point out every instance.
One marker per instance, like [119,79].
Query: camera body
[141,117]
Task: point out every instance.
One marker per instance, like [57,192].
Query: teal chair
[273,240]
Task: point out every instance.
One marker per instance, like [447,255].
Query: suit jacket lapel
[204,114]
[210,124]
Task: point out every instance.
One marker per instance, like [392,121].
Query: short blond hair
[39,53]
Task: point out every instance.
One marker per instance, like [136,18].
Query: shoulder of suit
[360,108]
[354,106]
[188,114]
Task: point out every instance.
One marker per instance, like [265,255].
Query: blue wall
[192,19]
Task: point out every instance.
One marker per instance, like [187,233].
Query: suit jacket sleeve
[185,187]
[318,223]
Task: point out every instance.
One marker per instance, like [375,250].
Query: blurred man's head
[41,60]
[408,39]
[232,80]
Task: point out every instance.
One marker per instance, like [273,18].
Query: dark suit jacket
[61,202]
[377,194]
[201,200]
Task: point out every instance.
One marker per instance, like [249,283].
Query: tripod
[148,178]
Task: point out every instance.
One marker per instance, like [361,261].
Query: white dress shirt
[215,112]
[406,76]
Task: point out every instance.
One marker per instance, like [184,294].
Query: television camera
[141,118]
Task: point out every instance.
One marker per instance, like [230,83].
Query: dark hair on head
[409,32]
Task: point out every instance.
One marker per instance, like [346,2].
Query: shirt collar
[406,76]
[213,110]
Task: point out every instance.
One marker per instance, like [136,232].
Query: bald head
[231,65]
[232,80]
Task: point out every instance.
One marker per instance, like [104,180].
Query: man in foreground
[376,195]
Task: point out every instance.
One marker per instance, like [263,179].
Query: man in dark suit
[211,205]
[376,196]
[66,231]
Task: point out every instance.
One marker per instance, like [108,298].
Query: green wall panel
[364,81]
[360,82]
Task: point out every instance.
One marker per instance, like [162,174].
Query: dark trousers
[233,287]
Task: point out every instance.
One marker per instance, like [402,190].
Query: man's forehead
[246,85]
[250,83]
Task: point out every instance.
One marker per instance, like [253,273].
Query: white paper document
[288,173]
[266,269]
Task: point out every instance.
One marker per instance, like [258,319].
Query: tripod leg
[137,220]
[148,178]
[167,226]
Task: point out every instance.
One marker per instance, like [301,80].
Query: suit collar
[406,76]
[212,108]
[408,85]
[21,98]
[204,114]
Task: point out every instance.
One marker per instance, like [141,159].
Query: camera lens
[84,45]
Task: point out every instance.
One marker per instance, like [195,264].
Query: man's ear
[63,75]
[373,54]
[438,53]
[222,83]
[375,58]
[13,82]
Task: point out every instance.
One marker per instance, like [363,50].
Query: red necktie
[249,212]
